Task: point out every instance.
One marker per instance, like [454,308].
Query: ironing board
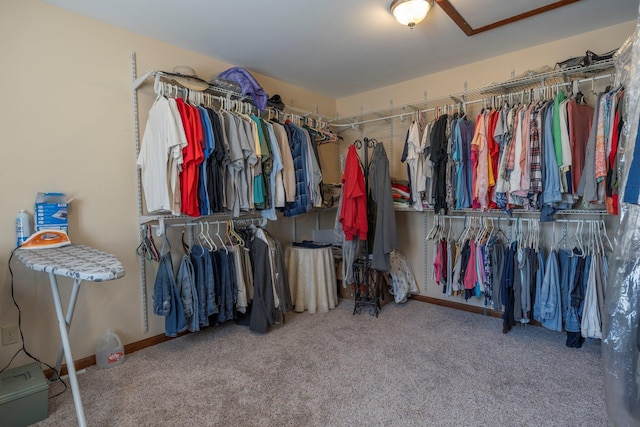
[80,263]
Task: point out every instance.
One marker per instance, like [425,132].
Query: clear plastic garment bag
[620,343]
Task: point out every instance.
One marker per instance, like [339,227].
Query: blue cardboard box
[51,212]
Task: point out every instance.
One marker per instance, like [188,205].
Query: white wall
[66,124]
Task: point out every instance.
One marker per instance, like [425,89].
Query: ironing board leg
[70,309]
[75,389]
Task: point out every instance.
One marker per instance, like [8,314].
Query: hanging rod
[302,117]
[563,220]
[464,212]
[261,221]
[155,74]
[538,79]
[152,218]
[304,112]
[195,222]
[170,90]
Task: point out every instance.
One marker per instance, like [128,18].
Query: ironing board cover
[76,261]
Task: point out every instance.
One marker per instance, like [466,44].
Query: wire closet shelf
[521,88]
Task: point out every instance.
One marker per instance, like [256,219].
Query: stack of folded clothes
[400,193]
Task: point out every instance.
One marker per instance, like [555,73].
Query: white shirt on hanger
[161,138]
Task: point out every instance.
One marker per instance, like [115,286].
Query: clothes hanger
[238,238]
[165,243]
[563,239]
[606,235]
[205,241]
[210,239]
[220,238]
[431,234]
[227,236]
[595,238]
[147,248]
[464,229]
[579,242]
[598,235]
[532,234]
[185,247]
[480,233]
[490,229]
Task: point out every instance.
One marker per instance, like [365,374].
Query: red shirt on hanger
[192,156]
[353,213]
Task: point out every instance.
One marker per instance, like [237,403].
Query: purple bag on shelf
[249,85]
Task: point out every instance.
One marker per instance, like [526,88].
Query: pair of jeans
[229,287]
[199,256]
[171,306]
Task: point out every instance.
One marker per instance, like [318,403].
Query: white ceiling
[342,47]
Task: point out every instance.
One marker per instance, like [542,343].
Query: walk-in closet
[407,212]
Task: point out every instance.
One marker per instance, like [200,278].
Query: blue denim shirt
[550,299]
[297,142]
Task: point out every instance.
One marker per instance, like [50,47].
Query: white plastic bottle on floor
[109,351]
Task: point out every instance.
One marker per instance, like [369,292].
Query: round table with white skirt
[312,278]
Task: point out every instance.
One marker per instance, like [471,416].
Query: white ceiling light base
[410,12]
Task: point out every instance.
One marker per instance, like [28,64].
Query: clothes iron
[45,239]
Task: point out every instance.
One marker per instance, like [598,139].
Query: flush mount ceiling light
[410,12]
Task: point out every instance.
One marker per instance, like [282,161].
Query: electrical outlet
[9,334]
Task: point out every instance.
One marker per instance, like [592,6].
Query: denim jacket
[186,282]
[162,286]
[550,299]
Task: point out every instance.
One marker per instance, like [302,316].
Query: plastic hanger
[204,240]
[165,243]
[606,235]
[431,235]
[462,233]
[238,238]
[579,243]
[211,240]
[147,247]
[185,247]
[220,238]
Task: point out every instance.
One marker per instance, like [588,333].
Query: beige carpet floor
[416,365]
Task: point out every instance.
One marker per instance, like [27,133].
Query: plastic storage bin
[24,396]
[109,350]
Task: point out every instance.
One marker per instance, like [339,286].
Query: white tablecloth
[312,278]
